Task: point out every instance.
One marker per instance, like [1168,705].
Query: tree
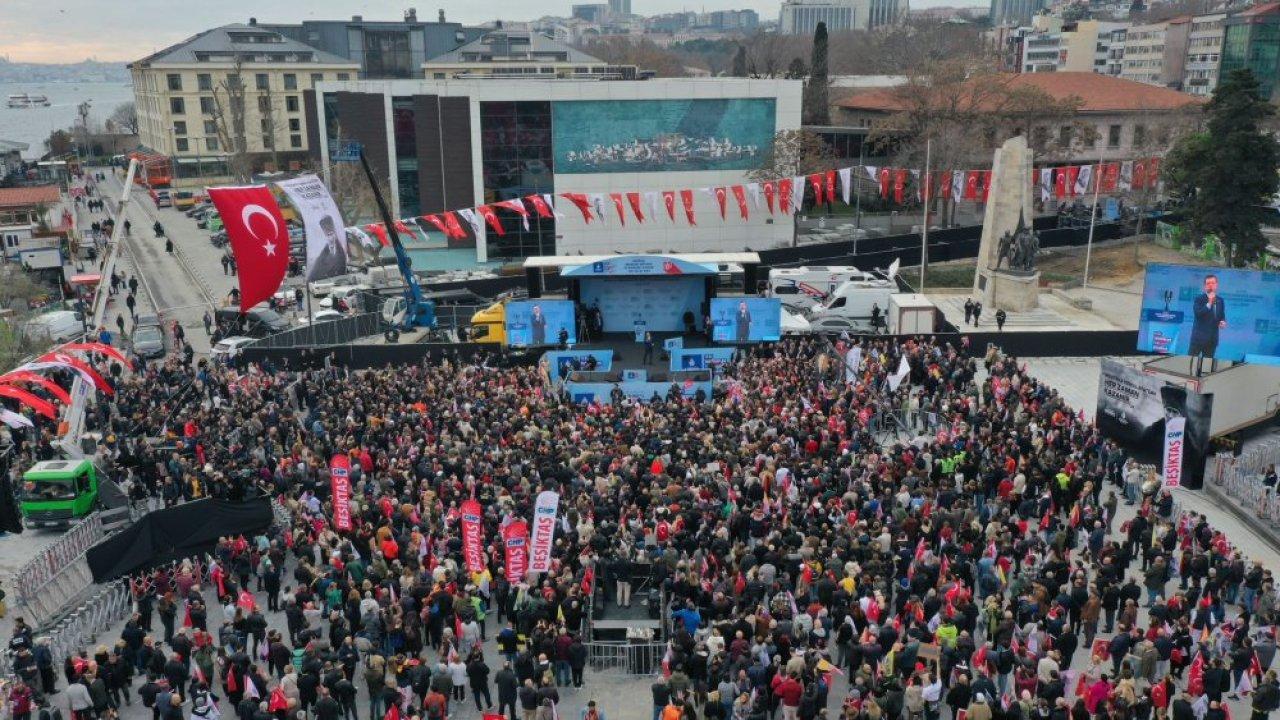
[350,189]
[740,62]
[794,153]
[59,143]
[817,110]
[796,70]
[125,118]
[644,54]
[229,122]
[767,53]
[1229,172]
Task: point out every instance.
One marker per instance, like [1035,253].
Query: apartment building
[1154,53]
[801,17]
[1077,47]
[231,85]
[521,53]
[1204,54]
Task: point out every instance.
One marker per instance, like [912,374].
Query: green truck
[58,493]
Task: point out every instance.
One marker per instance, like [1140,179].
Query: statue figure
[1018,249]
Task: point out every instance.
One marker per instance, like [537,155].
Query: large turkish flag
[259,239]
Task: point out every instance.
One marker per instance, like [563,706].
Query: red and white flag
[722,199]
[473,536]
[686,199]
[618,207]
[259,239]
[581,202]
[633,199]
[669,200]
[491,218]
[516,206]
[340,486]
[740,195]
[541,205]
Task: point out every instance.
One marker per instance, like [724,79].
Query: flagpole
[862,158]
[1093,216]
[924,227]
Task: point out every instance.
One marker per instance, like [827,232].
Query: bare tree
[769,53]
[229,121]
[794,153]
[644,54]
[350,189]
[125,118]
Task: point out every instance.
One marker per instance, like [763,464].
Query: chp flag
[326,239]
[1171,461]
[515,541]
[340,486]
[259,239]
[544,530]
[473,536]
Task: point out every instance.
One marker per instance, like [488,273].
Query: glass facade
[387,55]
[1255,46]
[406,136]
[516,158]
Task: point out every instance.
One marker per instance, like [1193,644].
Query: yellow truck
[489,325]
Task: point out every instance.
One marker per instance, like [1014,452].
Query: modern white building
[801,17]
[1154,53]
[1204,54]
[460,143]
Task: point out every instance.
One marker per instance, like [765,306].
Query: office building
[1204,54]
[1251,39]
[448,144]
[619,9]
[1155,53]
[235,85]
[801,17]
[597,13]
[520,53]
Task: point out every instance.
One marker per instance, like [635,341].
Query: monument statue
[1006,277]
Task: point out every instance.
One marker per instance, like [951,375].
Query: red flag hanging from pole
[971,185]
[1139,174]
[581,202]
[886,179]
[784,194]
[899,185]
[379,232]
[1111,175]
[340,486]
[740,194]
[722,199]
[455,227]
[669,199]
[617,205]
[633,199]
[473,536]
[1060,182]
[540,205]
[770,190]
[491,218]
[986,185]
[516,206]
[437,223]
[259,239]
[686,199]
[831,186]
[816,180]
[1153,172]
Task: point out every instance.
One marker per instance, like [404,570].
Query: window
[291,103]
[175,81]
[1039,136]
[438,76]
[210,127]
[207,106]
[204,81]
[290,81]
[295,141]
[295,124]
[344,76]
[266,126]
[177,106]
[316,77]
[181,144]
[211,144]
[261,81]
[1064,136]
[1113,136]
[180,127]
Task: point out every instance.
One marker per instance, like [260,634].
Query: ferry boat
[25,100]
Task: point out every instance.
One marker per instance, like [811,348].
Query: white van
[850,305]
[342,292]
[804,288]
[56,326]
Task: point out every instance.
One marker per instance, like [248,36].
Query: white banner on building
[1174,446]
[544,530]
[326,238]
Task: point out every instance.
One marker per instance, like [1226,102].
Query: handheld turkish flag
[259,239]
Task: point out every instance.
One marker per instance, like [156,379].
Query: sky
[60,31]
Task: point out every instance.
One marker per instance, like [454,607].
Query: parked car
[148,341]
[229,347]
[259,322]
[56,326]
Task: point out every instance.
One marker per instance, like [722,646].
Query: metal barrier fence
[81,627]
[1241,478]
[45,566]
[334,332]
[626,658]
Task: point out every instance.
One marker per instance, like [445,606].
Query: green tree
[740,62]
[1229,172]
[796,70]
[817,111]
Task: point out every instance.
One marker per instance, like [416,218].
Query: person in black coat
[478,678]
[508,687]
[326,707]
[1216,681]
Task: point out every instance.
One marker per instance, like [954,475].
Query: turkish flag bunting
[259,239]
[455,228]
[899,185]
[669,199]
[769,191]
[491,218]
[944,184]
[581,202]
[44,407]
[516,206]
[1073,174]
[971,185]
[1060,182]
[1139,173]
[633,198]
[785,189]
[986,184]
[1153,172]
[380,232]
[22,376]
[722,198]
[617,205]
[437,223]
[1111,176]
[686,199]
[886,175]
[740,194]
[831,186]
[540,205]
[816,181]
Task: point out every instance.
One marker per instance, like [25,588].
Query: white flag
[326,244]
[874,173]
[14,420]
[797,193]
[551,203]
[904,369]
[1046,184]
[957,185]
[1082,180]
[473,219]
[753,192]
[846,183]
[653,203]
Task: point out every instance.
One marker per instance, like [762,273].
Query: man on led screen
[744,323]
[538,326]
[1210,315]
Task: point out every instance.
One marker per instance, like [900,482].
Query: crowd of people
[811,566]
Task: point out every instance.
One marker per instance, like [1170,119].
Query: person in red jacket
[789,692]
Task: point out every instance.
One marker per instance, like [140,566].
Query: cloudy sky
[122,30]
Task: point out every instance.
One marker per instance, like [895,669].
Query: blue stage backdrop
[534,323]
[700,358]
[1216,312]
[560,362]
[611,136]
[744,319]
[659,301]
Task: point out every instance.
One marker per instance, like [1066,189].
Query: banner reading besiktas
[515,539]
[544,530]
[473,536]
[326,239]
[340,485]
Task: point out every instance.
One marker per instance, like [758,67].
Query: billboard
[1215,312]
[614,136]
[1143,414]
[533,323]
[744,319]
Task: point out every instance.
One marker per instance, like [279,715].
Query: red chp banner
[340,485]
[515,539]
[259,239]
[473,536]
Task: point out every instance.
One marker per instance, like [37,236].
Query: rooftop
[29,196]
[513,46]
[1095,93]
[251,43]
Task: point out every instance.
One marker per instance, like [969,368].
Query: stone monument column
[1006,229]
